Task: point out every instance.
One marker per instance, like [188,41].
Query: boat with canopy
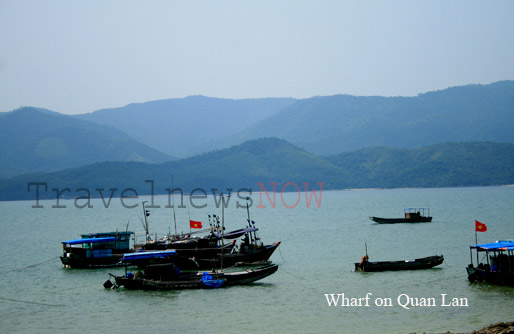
[496,265]
[96,250]
[168,276]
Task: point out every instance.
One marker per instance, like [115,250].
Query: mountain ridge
[271,160]
[341,123]
[36,140]
[181,126]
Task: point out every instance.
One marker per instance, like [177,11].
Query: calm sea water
[319,247]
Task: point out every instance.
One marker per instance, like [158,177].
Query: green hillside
[35,140]
[440,165]
[273,160]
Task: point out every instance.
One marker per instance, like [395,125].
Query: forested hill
[343,123]
[272,160]
[38,140]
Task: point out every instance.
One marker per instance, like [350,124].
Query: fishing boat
[96,250]
[421,263]
[411,215]
[210,251]
[168,276]
[252,256]
[499,263]
[192,247]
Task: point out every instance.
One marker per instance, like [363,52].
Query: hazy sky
[75,56]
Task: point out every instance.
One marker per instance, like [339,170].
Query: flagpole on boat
[476,244]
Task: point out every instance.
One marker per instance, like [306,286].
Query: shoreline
[496,328]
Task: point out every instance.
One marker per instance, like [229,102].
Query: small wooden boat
[411,215]
[421,263]
[169,277]
[499,266]
[96,250]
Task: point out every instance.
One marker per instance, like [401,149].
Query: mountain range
[459,136]
[182,127]
[321,125]
[262,162]
[38,140]
[342,123]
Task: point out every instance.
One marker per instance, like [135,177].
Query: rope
[28,302]
[439,280]
[285,271]
[53,259]
[280,252]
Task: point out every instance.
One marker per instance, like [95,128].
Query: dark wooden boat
[97,250]
[499,266]
[411,215]
[168,277]
[247,256]
[422,263]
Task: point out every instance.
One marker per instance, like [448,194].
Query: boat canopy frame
[418,210]
[88,241]
[497,248]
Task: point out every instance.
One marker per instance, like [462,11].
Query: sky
[75,56]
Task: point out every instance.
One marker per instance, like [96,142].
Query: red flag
[195,224]
[479,227]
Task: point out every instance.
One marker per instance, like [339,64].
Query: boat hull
[227,260]
[400,220]
[480,275]
[195,282]
[147,284]
[91,263]
[421,263]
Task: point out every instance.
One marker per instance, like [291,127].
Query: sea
[315,289]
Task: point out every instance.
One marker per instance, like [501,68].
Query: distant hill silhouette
[343,123]
[272,160]
[38,140]
[182,127]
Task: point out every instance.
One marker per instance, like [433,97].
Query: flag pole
[189,215]
[476,243]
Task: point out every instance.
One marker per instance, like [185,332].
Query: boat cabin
[96,249]
[412,213]
[494,263]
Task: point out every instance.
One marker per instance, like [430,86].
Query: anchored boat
[96,250]
[168,276]
[421,263]
[498,267]
[411,215]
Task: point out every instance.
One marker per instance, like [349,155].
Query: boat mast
[222,227]
[253,239]
[146,214]
[173,199]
